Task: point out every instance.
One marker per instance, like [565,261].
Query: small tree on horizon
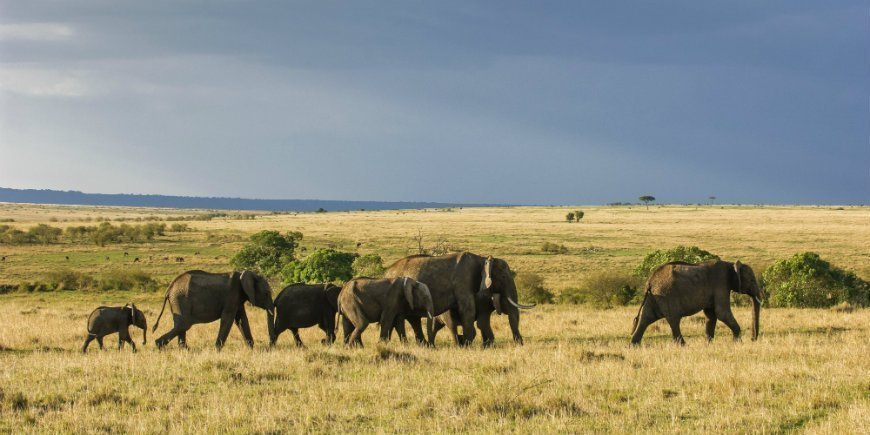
[646,199]
[712,199]
[578,215]
[569,217]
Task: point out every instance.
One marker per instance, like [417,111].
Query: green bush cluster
[268,252]
[66,279]
[322,265]
[689,254]
[603,290]
[370,265]
[41,234]
[530,288]
[806,280]
[106,233]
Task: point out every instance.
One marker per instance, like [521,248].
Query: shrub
[66,279]
[806,280]
[323,265]
[268,252]
[603,290]
[530,287]
[554,248]
[127,280]
[569,217]
[178,228]
[688,254]
[370,265]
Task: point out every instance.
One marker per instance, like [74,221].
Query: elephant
[303,306]
[365,300]
[677,289]
[465,288]
[109,320]
[196,296]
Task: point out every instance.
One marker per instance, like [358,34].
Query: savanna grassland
[576,373]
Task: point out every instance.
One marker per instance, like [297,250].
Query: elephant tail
[165,299]
[637,317]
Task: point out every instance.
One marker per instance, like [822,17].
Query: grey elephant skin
[466,288]
[366,300]
[202,297]
[109,320]
[304,306]
[676,290]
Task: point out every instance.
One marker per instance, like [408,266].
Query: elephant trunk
[430,328]
[756,311]
[270,326]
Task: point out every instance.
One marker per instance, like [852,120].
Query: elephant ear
[408,288]
[248,281]
[486,282]
[737,269]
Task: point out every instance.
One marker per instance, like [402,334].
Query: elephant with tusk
[366,300]
[109,320]
[201,297]
[466,288]
[677,289]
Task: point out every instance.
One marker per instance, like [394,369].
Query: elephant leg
[728,318]
[466,309]
[485,329]
[347,329]
[388,318]
[399,326]
[182,339]
[417,326]
[100,341]
[88,341]
[356,335]
[711,323]
[675,329]
[453,326]
[296,337]
[245,327]
[646,317]
[328,327]
[124,336]
[224,330]
[178,329]
[120,342]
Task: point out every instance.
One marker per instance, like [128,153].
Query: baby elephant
[366,300]
[303,306]
[109,320]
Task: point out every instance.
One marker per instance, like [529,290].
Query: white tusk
[526,307]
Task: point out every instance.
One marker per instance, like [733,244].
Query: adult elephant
[466,287]
[366,300]
[201,297]
[677,289]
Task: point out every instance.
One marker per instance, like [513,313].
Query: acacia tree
[646,199]
[578,215]
[569,217]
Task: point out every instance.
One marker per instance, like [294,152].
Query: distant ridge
[70,197]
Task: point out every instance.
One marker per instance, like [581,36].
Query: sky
[504,102]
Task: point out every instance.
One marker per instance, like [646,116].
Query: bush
[655,259]
[530,288]
[66,279]
[127,280]
[268,253]
[806,280]
[370,265]
[603,290]
[178,228]
[323,265]
[554,248]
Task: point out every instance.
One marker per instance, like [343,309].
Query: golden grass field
[808,372]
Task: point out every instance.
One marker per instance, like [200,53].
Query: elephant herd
[459,291]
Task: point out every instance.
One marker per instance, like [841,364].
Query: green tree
[44,234]
[646,199]
[370,265]
[323,265]
[569,217]
[655,259]
[578,215]
[268,252]
[806,280]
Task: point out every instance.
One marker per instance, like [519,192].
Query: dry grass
[576,373]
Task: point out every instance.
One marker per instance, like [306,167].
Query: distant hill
[47,196]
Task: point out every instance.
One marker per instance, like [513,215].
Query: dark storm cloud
[467,101]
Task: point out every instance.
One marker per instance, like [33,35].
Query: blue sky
[486,102]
